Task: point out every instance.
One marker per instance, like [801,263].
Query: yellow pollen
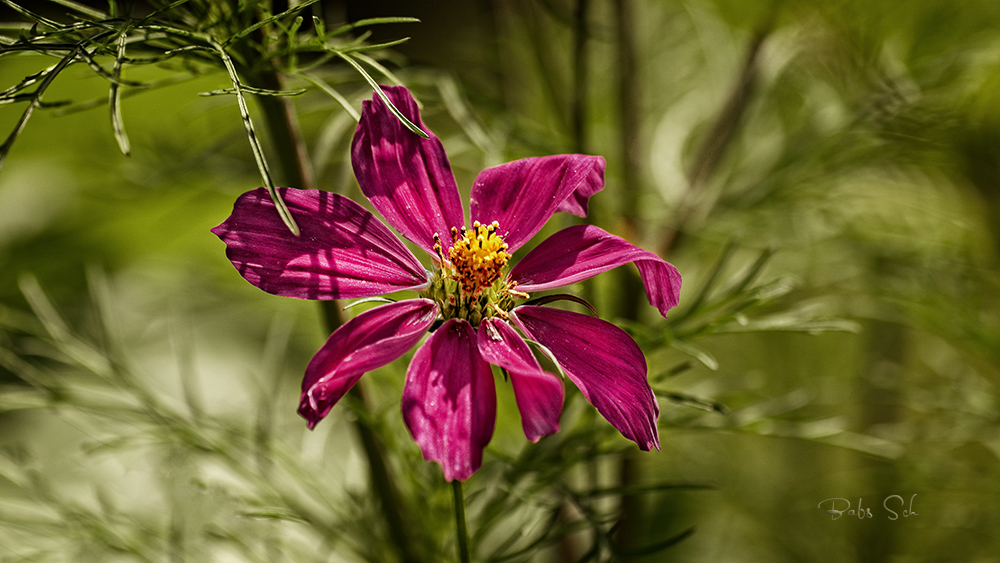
[478,256]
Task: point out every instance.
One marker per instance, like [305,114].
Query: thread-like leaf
[87,10]
[266,21]
[701,355]
[258,151]
[371,21]
[376,299]
[363,48]
[545,299]
[255,91]
[692,401]
[35,102]
[32,16]
[322,85]
[629,490]
[385,99]
[656,547]
[114,95]
[166,8]
[381,68]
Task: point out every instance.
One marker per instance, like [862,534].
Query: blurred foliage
[825,176]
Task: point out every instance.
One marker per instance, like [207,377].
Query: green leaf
[332,93]
[294,28]
[86,10]
[266,21]
[32,16]
[379,67]
[320,28]
[674,371]
[258,151]
[708,360]
[275,514]
[114,95]
[692,401]
[372,21]
[376,299]
[255,91]
[167,8]
[545,299]
[35,102]
[630,490]
[363,48]
[656,547]
[385,99]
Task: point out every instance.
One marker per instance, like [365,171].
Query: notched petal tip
[604,363]
[407,178]
[522,195]
[583,251]
[539,394]
[368,341]
[449,400]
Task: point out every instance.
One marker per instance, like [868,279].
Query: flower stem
[461,529]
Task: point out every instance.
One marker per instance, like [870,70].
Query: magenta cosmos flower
[449,398]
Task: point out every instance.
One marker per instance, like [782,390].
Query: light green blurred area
[865,154]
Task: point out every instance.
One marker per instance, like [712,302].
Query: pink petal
[408,179]
[576,203]
[343,250]
[539,394]
[522,195]
[583,251]
[449,400]
[368,341]
[604,362]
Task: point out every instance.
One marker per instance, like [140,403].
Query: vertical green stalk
[461,529]
[631,286]
[578,118]
[287,141]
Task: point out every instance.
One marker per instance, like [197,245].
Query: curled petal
[522,195]
[583,251]
[604,362]
[449,400]
[368,341]
[407,178]
[577,202]
[539,394]
[343,251]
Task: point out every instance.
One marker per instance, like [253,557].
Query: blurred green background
[825,176]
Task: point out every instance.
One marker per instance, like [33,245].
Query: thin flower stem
[461,529]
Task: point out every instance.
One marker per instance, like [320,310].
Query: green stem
[287,142]
[628,302]
[381,480]
[578,106]
[461,529]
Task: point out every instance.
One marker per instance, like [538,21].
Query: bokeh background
[825,176]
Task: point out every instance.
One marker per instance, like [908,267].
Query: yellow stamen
[478,256]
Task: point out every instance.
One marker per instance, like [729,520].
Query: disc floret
[472,282]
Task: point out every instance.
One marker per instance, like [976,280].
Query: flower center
[478,256]
[471,283]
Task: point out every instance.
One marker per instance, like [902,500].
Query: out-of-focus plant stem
[286,139]
[718,139]
[578,117]
[631,287]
